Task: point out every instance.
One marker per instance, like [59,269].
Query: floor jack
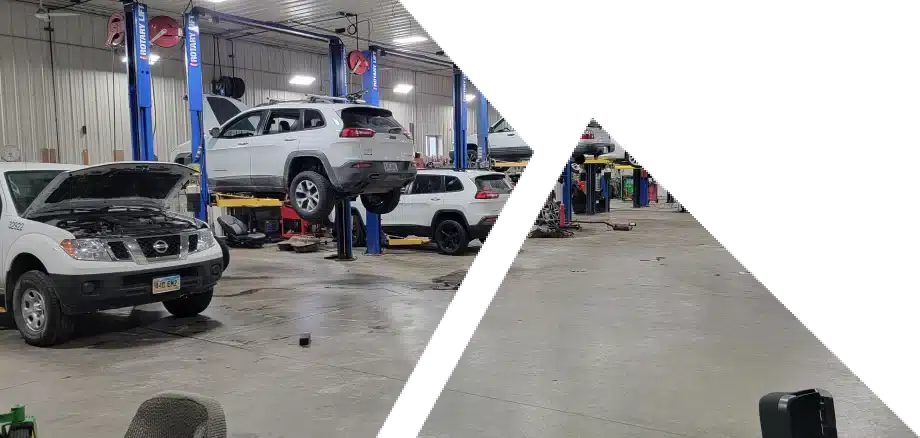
[15,424]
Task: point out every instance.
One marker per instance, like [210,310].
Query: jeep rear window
[493,183]
[378,119]
[26,185]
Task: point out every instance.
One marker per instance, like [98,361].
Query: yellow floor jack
[15,424]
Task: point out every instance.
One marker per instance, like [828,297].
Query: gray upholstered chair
[174,414]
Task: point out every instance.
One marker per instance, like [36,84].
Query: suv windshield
[27,184]
[493,183]
[378,119]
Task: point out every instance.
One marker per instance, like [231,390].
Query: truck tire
[311,196]
[381,203]
[189,305]
[37,311]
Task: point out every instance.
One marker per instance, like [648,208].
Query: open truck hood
[128,184]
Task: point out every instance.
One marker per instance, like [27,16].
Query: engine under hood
[124,184]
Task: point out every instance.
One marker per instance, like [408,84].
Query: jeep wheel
[189,305]
[311,196]
[37,311]
[451,237]
[632,161]
[381,203]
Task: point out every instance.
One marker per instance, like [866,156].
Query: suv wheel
[38,312]
[451,237]
[310,196]
[381,203]
[189,305]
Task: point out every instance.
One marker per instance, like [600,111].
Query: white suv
[77,239]
[452,207]
[315,151]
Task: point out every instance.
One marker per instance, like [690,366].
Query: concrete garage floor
[656,332]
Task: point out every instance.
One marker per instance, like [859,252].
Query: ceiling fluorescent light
[302,80]
[402,88]
[152,60]
[470,97]
[410,39]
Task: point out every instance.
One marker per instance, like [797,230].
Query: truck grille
[120,250]
[161,246]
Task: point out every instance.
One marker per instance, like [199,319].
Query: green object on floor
[15,424]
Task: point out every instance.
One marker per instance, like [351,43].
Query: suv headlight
[86,249]
[206,240]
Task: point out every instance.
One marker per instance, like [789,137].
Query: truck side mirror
[214,131]
[802,414]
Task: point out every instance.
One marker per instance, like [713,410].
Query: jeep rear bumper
[481,229]
[91,292]
[371,176]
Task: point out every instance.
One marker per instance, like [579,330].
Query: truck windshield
[27,184]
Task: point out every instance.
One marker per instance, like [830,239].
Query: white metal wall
[69,98]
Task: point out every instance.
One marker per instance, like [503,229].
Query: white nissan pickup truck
[76,239]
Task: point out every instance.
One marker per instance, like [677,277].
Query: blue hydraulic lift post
[567,192]
[461,159]
[338,81]
[372,97]
[137,50]
[482,126]
[195,91]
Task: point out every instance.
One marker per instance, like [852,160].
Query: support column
[461,159]
[137,50]
[338,79]
[482,126]
[374,227]
[193,79]
[567,192]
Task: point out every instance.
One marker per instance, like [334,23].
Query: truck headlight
[205,239]
[86,249]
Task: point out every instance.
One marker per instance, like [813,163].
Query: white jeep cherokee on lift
[315,151]
[452,207]
[77,239]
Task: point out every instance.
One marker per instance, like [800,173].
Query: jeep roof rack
[316,98]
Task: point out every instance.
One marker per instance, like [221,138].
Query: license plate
[391,167]
[163,285]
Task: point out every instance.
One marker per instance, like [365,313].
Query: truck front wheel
[189,305]
[37,311]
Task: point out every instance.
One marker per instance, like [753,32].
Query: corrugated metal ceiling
[379,22]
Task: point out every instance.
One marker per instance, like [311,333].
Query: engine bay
[128,223]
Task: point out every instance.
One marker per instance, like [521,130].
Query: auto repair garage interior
[621,316]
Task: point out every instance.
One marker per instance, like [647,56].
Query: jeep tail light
[482,194]
[357,132]
[588,135]
[361,166]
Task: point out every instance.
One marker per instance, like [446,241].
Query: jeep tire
[381,203]
[37,311]
[189,305]
[311,196]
